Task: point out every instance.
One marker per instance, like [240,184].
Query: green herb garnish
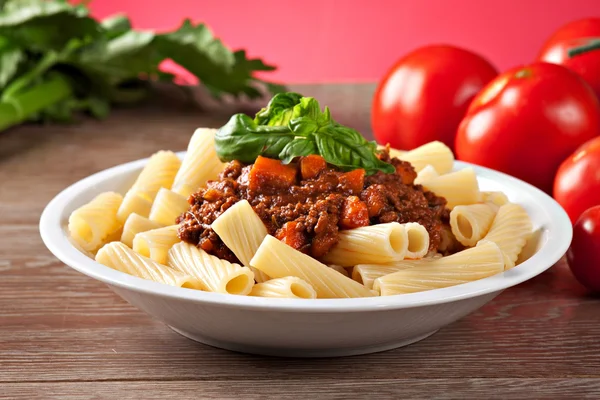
[291,126]
[55,60]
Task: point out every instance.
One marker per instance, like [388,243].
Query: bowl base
[302,353]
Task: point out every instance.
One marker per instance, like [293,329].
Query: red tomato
[577,182]
[527,121]
[575,34]
[584,255]
[425,95]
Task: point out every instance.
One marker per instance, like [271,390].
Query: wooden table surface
[66,336]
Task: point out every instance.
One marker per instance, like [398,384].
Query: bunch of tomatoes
[539,122]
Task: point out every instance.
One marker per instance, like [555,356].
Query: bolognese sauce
[306,203]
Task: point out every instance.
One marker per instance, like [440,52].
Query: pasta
[91,224]
[367,273]
[339,269]
[381,243]
[469,265]
[135,224]
[216,275]
[242,231]
[200,163]
[167,206]
[471,223]
[287,287]
[156,243]
[426,174]
[418,240]
[510,230]
[495,198]
[459,188]
[279,260]
[120,257]
[303,202]
[436,154]
[158,173]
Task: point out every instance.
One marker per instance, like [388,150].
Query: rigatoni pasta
[471,223]
[466,266]
[367,273]
[199,164]
[135,224]
[167,206]
[426,174]
[216,275]
[120,257]
[370,244]
[242,231]
[91,224]
[158,173]
[418,240]
[436,154]
[289,287]
[510,230]
[459,188]
[156,243]
[279,260]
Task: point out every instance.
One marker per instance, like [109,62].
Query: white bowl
[308,328]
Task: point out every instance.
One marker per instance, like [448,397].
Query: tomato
[571,35]
[577,182]
[425,95]
[584,256]
[527,121]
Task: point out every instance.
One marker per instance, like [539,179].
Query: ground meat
[307,211]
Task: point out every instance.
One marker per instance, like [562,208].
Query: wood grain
[66,336]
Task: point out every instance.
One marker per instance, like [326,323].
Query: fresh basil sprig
[291,126]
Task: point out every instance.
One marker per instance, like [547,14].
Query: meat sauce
[305,204]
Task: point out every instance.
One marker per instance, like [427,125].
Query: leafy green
[292,126]
[53,43]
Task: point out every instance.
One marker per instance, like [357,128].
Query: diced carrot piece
[267,173]
[353,181]
[311,166]
[354,213]
[291,235]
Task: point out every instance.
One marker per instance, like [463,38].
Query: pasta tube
[469,265]
[200,163]
[436,154]
[120,257]
[418,240]
[135,224]
[459,188]
[242,231]
[375,244]
[216,275]
[510,231]
[471,223]
[156,243]
[279,260]
[289,287]
[93,223]
[167,206]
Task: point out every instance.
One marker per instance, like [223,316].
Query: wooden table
[66,336]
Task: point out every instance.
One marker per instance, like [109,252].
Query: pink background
[357,40]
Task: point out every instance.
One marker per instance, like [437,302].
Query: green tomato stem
[589,46]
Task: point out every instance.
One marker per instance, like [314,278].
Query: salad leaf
[292,126]
[55,44]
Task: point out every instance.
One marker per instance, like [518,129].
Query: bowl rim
[54,235]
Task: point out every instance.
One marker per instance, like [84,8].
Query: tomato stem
[593,44]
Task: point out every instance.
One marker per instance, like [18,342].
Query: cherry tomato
[577,182]
[425,94]
[584,254]
[527,121]
[571,35]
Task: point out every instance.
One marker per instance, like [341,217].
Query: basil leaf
[115,25]
[10,59]
[344,150]
[279,110]
[242,139]
[296,148]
